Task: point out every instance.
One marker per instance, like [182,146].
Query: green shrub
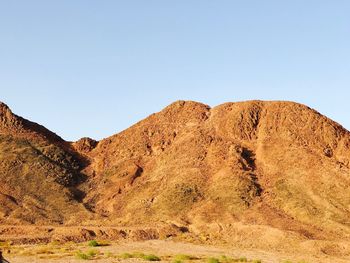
[223,258]
[92,252]
[243,259]
[126,255]
[182,257]
[103,243]
[80,255]
[151,257]
[138,255]
[93,243]
[256,261]
[213,260]
[177,261]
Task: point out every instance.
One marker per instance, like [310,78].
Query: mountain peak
[8,120]
[3,108]
[11,124]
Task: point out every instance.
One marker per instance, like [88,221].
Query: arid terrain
[263,180]
[154,250]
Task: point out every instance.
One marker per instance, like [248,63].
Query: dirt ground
[167,251]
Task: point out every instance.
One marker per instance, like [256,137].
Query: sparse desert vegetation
[93,243]
[183,257]
[151,257]
[113,252]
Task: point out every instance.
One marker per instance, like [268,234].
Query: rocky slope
[38,172]
[270,172]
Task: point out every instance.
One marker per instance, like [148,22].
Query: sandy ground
[166,250]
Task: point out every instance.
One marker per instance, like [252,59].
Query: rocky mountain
[38,172]
[268,171]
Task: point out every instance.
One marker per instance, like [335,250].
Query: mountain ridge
[280,169]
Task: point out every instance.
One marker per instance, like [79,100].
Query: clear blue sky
[93,68]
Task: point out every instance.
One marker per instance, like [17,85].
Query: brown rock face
[264,170]
[267,163]
[85,145]
[37,173]
[16,126]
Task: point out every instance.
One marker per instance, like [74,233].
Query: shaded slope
[38,173]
